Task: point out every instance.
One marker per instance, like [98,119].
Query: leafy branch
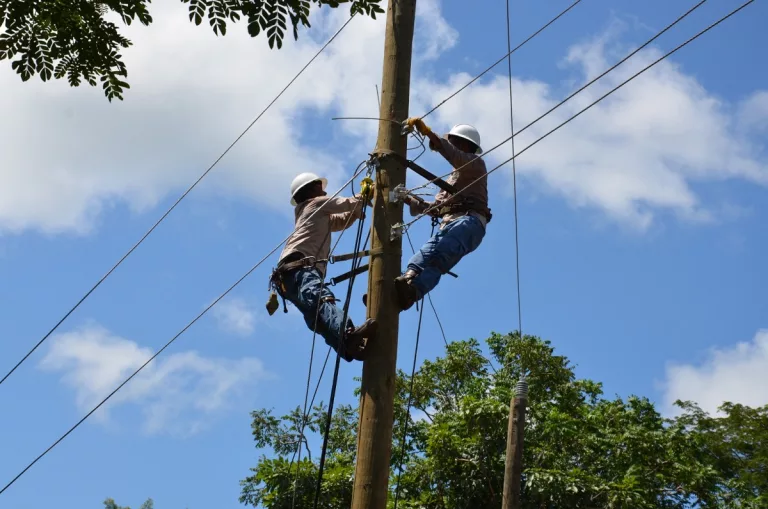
[73,39]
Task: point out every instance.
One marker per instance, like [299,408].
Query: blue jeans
[444,250]
[304,289]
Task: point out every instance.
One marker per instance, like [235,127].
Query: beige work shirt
[468,169]
[312,235]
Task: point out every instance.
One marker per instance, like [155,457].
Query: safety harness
[465,205]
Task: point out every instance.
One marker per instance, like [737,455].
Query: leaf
[197,10]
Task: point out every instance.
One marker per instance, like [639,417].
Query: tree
[582,450]
[73,38]
[110,504]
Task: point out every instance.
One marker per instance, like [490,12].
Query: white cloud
[68,154]
[633,155]
[235,316]
[737,375]
[179,394]
[753,111]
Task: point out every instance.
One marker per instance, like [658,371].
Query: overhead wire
[514,176]
[488,69]
[601,98]
[175,204]
[404,438]
[174,338]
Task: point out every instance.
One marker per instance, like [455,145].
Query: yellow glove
[418,124]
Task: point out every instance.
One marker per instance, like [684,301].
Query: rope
[574,4]
[355,264]
[174,338]
[426,212]
[408,407]
[327,356]
[514,176]
[184,195]
[434,309]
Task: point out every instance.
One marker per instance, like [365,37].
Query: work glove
[418,124]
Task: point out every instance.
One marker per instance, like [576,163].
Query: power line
[514,176]
[174,338]
[184,195]
[569,97]
[404,439]
[652,64]
[537,32]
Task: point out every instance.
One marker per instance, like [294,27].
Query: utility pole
[374,442]
[513,466]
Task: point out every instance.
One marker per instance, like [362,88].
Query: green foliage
[73,39]
[271,483]
[110,504]
[582,450]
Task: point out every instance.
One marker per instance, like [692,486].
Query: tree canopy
[76,40]
[110,504]
[582,450]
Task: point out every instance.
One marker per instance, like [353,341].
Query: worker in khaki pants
[464,217]
[301,269]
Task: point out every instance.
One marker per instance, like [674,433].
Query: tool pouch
[276,287]
[272,304]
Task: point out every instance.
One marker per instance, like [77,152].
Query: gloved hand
[418,124]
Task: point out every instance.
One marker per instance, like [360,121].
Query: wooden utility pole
[513,466]
[378,385]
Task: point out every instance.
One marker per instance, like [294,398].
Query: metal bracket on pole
[343,277]
[424,173]
[350,256]
[374,162]
[397,231]
[398,193]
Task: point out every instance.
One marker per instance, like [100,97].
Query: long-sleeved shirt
[312,235]
[474,171]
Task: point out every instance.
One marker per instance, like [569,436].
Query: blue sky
[641,229]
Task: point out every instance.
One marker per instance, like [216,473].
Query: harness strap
[466,205]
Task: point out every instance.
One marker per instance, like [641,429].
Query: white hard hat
[468,133]
[302,180]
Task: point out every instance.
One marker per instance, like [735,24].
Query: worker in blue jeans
[464,216]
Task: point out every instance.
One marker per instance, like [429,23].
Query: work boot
[407,294]
[357,340]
